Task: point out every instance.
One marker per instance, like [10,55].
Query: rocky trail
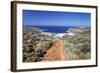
[56,52]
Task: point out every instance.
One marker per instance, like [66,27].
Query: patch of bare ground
[56,52]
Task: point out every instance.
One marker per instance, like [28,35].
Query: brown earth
[56,52]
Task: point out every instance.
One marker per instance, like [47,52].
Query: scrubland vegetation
[36,45]
[78,46]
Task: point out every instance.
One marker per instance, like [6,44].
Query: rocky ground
[56,52]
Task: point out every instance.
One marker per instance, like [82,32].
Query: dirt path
[56,52]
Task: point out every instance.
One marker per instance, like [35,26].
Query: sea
[53,29]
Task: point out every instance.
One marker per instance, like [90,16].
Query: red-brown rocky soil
[56,52]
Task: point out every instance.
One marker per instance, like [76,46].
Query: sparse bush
[78,46]
[35,45]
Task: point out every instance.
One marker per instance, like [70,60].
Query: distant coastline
[55,29]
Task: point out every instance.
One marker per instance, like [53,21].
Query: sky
[55,18]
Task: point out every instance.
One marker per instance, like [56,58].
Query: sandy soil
[56,52]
